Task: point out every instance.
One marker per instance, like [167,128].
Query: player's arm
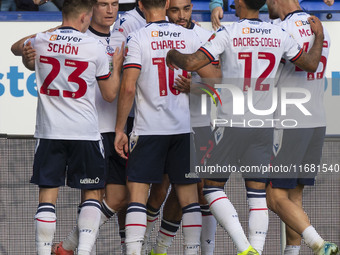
[109,88]
[189,62]
[125,102]
[216,15]
[17,47]
[210,72]
[309,62]
[28,56]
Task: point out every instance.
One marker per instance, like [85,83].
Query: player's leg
[89,221]
[209,224]
[293,239]
[135,221]
[90,179]
[290,152]
[115,196]
[171,220]
[229,142]
[45,220]
[225,213]
[178,168]
[192,217]
[121,222]
[256,154]
[115,199]
[258,214]
[312,158]
[114,192]
[156,198]
[203,145]
[293,215]
[71,241]
[145,165]
[49,173]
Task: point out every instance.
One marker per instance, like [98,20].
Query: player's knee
[119,204]
[116,201]
[272,202]
[157,195]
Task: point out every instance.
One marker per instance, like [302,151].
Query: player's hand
[316,26]
[329,2]
[216,15]
[29,52]
[118,58]
[28,56]
[183,83]
[169,62]
[121,144]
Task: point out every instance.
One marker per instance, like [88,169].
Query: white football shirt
[66,72]
[107,112]
[160,109]
[197,118]
[296,24]
[250,53]
[128,22]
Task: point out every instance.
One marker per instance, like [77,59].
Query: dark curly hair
[255,4]
[153,3]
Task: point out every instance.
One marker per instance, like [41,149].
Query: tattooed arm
[189,62]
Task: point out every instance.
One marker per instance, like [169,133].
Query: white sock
[88,225]
[258,218]
[152,217]
[191,227]
[45,226]
[94,249]
[226,215]
[71,241]
[135,225]
[312,238]
[209,225]
[292,250]
[165,236]
[106,213]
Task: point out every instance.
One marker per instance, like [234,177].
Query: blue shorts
[299,150]
[115,165]
[151,156]
[245,150]
[82,162]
